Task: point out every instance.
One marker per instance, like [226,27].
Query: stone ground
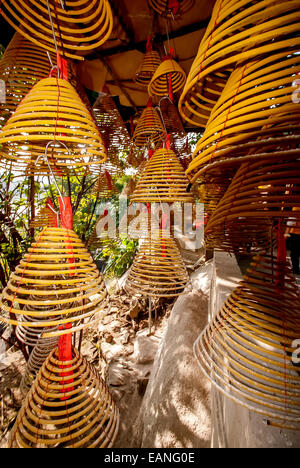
[120,348]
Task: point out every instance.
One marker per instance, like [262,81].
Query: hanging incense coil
[212,192]
[97,242]
[163,180]
[261,193]
[21,67]
[59,270]
[45,218]
[111,125]
[139,221]
[149,129]
[45,120]
[79,28]
[105,187]
[31,336]
[39,354]
[169,76]
[246,351]
[63,411]
[140,171]
[256,104]
[158,269]
[238,32]
[171,118]
[171,9]
[135,156]
[147,68]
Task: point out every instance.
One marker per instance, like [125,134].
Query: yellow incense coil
[162,180]
[97,242]
[246,351]
[21,67]
[80,27]
[52,115]
[38,356]
[58,283]
[212,192]
[168,71]
[32,336]
[136,156]
[149,129]
[256,104]
[68,406]
[111,126]
[44,218]
[162,7]
[158,269]
[238,32]
[147,68]
[260,193]
[171,118]
[105,187]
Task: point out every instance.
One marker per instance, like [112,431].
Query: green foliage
[118,255]
[15,235]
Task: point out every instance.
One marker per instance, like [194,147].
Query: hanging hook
[161,116]
[45,158]
[50,60]
[52,27]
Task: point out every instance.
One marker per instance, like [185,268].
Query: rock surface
[175,412]
[145,347]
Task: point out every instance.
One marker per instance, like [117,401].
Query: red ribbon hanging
[149,103]
[169,56]
[174,6]
[150,154]
[63,68]
[167,142]
[66,213]
[52,217]
[171,95]
[131,126]
[65,341]
[149,46]
[65,355]
[108,180]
